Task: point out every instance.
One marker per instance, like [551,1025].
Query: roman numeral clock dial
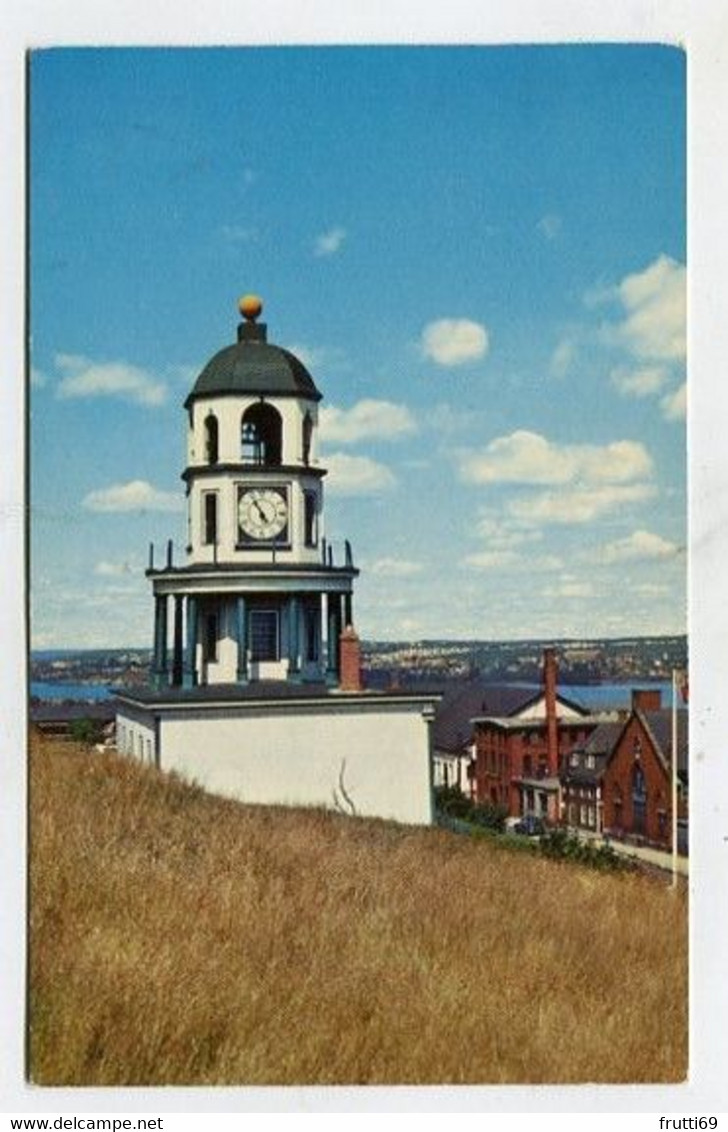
[263,515]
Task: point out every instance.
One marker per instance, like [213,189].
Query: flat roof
[268,691]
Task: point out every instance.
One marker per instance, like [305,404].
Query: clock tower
[261,595]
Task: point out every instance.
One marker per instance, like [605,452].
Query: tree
[85,730]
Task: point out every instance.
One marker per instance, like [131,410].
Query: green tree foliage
[86,730]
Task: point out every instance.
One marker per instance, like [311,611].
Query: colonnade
[181,670]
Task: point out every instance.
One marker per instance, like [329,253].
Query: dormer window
[261,435]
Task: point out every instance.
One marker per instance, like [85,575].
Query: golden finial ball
[250,307]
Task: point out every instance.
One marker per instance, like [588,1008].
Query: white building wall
[537,711]
[377,757]
[136,738]
[229,412]
[225,486]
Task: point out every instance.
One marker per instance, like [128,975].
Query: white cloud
[569,588]
[357,475]
[675,405]
[549,226]
[395,567]
[528,458]
[366,420]
[655,304]
[37,378]
[639,546]
[562,358]
[581,505]
[114,569]
[492,559]
[85,378]
[454,341]
[652,589]
[641,382]
[504,534]
[137,495]
[329,243]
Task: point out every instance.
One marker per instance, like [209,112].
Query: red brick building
[519,754]
[582,774]
[637,780]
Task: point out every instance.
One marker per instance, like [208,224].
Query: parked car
[530,826]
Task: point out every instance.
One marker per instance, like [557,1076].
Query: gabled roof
[508,709]
[659,725]
[603,739]
[464,700]
[468,701]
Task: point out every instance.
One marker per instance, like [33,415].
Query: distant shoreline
[593,695]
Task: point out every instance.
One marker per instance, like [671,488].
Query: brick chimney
[350,661]
[646,699]
[552,727]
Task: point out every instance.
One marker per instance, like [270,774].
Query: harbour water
[595,696]
[47,690]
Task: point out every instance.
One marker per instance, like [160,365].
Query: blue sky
[480,253]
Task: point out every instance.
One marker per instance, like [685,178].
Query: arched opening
[261,435]
[307,434]
[211,439]
[639,799]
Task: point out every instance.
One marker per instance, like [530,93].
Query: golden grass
[177,938]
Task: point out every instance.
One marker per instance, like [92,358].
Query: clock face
[263,513]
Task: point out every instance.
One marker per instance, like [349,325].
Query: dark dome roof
[254,366]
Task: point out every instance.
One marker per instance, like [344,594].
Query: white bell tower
[260,595]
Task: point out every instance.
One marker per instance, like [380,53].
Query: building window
[210,637]
[209,505]
[264,644]
[307,434]
[310,516]
[261,435]
[617,802]
[211,439]
[573,759]
[590,762]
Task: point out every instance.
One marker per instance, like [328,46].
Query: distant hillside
[434,662]
[177,938]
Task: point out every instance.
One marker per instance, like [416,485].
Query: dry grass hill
[177,938]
